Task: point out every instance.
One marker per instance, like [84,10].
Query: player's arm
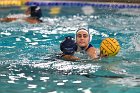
[70,58]
[7,19]
[92,53]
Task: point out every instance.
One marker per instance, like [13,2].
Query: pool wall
[95,3]
[83,3]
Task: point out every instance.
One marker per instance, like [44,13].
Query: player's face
[82,38]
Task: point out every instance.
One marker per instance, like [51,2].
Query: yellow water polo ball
[109,47]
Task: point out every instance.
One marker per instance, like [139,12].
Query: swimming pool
[28,62]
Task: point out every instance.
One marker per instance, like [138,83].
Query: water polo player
[68,47]
[35,14]
[83,39]
[109,46]
[32,15]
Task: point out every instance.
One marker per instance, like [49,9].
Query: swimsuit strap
[88,47]
[83,48]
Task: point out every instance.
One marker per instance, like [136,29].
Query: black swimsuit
[83,48]
[89,46]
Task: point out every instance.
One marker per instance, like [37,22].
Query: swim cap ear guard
[90,35]
[68,46]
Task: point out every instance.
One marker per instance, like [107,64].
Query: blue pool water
[28,62]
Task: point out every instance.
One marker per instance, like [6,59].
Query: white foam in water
[29,78]
[2,75]
[50,20]
[66,26]
[60,84]
[87,90]
[65,80]
[5,33]
[78,81]
[55,80]
[80,89]
[61,66]
[53,92]
[130,82]
[44,78]
[57,26]
[93,31]
[36,39]
[21,75]
[104,35]
[43,88]
[18,39]
[32,86]
[34,43]
[11,81]
[13,78]
[36,28]
[44,36]
[27,40]
[25,30]
[43,65]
